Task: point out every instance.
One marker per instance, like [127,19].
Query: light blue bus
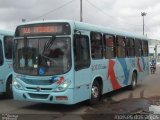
[66,62]
[6,45]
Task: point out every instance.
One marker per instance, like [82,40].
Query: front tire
[95,93]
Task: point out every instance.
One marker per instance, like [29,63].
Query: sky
[118,14]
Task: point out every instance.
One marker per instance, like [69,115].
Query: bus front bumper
[65,97]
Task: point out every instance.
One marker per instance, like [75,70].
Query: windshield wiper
[48,44]
[42,57]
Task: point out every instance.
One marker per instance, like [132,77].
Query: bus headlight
[17,85]
[63,86]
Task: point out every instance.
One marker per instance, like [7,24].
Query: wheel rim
[95,92]
[134,82]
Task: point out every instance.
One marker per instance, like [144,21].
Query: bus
[66,62]
[6,45]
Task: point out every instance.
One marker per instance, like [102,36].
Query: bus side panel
[115,73]
[142,67]
[123,67]
[99,70]
[119,73]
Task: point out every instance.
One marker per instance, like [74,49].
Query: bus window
[1,53]
[138,48]
[145,48]
[51,55]
[81,52]
[96,45]
[109,46]
[8,43]
[127,47]
[130,52]
[120,46]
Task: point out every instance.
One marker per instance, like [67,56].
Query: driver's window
[1,54]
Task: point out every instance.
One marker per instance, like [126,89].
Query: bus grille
[38,82]
[35,89]
[38,96]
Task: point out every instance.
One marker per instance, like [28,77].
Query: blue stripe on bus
[125,70]
[144,66]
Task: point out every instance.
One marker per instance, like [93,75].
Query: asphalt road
[148,88]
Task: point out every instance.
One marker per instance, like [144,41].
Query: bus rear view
[42,63]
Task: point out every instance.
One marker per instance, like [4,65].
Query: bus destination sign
[43,29]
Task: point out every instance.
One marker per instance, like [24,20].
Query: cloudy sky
[119,14]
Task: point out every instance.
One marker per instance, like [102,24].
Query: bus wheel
[9,93]
[134,82]
[95,93]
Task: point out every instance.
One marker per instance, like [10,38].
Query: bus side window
[130,52]
[127,47]
[81,52]
[109,46]
[138,48]
[96,45]
[145,48]
[132,47]
[1,54]
[120,46]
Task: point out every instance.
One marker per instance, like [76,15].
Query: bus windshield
[42,56]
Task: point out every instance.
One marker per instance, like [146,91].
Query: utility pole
[81,19]
[143,14]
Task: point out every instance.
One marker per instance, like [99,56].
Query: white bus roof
[91,27]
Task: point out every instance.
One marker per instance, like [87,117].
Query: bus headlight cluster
[17,85]
[63,86]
